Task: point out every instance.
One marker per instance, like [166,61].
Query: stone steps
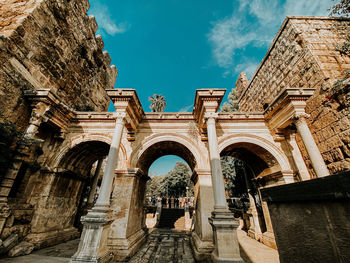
[165,246]
[172,218]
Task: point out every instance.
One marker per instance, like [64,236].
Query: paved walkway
[162,246]
[60,253]
[253,251]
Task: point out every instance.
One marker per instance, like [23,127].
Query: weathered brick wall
[52,45]
[304,55]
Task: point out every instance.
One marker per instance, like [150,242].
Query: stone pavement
[162,246]
[165,246]
[253,251]
[60,253]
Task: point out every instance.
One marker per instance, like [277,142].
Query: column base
[124,248]
[93,241]
[201,249]
[268,239]
[225,237]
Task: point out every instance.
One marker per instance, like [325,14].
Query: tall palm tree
[157,103]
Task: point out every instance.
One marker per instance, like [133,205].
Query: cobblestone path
[165,246]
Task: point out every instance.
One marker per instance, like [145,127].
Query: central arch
[166,144]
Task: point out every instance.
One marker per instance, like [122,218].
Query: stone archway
[178,145]
[58,195]
[265,165]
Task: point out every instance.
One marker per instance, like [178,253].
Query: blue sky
[173,47]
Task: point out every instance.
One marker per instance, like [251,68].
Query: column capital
[121,117]
[300,115]
[210,115]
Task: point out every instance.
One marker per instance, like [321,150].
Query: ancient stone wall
[45,45]
[50,45]
[304,55]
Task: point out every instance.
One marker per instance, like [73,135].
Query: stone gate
[55,85]
[133,139]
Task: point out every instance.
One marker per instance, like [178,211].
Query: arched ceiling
[83,155]
[165,148]
[254,156]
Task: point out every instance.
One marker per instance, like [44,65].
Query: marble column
[93,241]
[216,172]
[95,181]
[222,220]
[111,165]
[310,145]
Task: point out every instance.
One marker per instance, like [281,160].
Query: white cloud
[233,34]
[319,7]
[186,108]
[105,21]
[224,38]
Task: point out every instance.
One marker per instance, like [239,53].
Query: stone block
[23,248]
[315,212]
[8,243]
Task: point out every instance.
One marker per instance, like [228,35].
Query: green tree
[155,186]
[173,183]
[178,179]
[232,104]
[341,8]
[157,103]
[234,175]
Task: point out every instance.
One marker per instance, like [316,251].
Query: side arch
[85,138]
[259,141]
[164,137]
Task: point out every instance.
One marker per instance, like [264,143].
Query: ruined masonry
[57,140]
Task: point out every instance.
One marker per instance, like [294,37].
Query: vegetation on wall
[341,8]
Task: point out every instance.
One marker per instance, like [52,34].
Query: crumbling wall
[50,45]
[44,44]
[304,54]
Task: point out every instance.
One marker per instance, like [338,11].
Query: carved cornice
[126,100]
[47,107]
[291,102]
[206,101]
[300,115]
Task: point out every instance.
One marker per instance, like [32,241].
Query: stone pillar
[95,181]
[222,220]
[127,232]
[216,172]
[254,230]
[298,158]
[112,160]
[310,145]
[202,236]
[93,241]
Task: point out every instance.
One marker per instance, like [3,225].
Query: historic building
[55,85]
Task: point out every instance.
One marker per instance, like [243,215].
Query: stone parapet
[315,212]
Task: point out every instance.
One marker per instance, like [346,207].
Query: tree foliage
[341,8]
[157,103]
[234,175]
[173,184]
[232,104]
